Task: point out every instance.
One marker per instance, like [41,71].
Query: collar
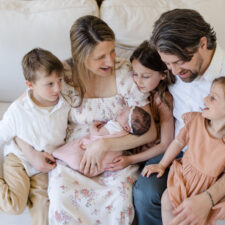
[31,104]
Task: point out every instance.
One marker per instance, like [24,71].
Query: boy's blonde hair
[40,60]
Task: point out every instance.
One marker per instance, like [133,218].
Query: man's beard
[193,76]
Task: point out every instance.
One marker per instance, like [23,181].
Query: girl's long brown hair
[150,58]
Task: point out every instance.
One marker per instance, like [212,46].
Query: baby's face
[122,118]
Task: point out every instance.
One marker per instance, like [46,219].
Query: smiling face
[187,71]
[146,79]
[46,89]
[215,103]
[102,58]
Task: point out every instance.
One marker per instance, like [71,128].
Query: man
[187,44]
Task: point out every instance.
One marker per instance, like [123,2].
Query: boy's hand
[153,168]
[118,163]
[42,161]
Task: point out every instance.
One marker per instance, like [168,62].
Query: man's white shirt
[189,97]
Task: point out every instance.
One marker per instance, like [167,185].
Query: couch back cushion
[25,25]
[132,20]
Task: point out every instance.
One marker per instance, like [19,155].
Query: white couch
[25,24]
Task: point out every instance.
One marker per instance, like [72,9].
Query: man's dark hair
[178,32]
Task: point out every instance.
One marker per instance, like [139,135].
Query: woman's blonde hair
[85,34]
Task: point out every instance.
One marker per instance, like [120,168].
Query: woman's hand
[193,210]
[153,168]
[93,156]
[119,163]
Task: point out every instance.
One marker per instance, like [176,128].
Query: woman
[97,86]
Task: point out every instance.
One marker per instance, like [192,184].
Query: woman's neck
[99,86]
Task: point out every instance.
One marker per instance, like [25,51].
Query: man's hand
[193,210]
[119,163]
[221,213]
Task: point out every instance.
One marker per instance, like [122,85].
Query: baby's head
[43,73]
[134,120]
[215,101]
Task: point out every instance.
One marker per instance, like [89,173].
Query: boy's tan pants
[17,190]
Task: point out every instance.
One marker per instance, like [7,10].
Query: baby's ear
[127,128]
[29,84]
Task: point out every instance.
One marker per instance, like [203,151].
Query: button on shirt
[42,128]
[189,97]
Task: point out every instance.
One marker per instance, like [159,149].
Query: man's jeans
[147,194]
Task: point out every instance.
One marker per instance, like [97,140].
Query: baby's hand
[153,168]
[95,126]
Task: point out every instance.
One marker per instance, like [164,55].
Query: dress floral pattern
[107,198]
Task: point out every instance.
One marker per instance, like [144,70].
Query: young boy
[40,119]
[133,120]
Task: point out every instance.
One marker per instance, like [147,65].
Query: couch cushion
[28,24]
[132,20]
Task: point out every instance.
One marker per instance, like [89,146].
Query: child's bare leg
[167,208]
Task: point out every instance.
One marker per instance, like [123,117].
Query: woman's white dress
[107,198]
